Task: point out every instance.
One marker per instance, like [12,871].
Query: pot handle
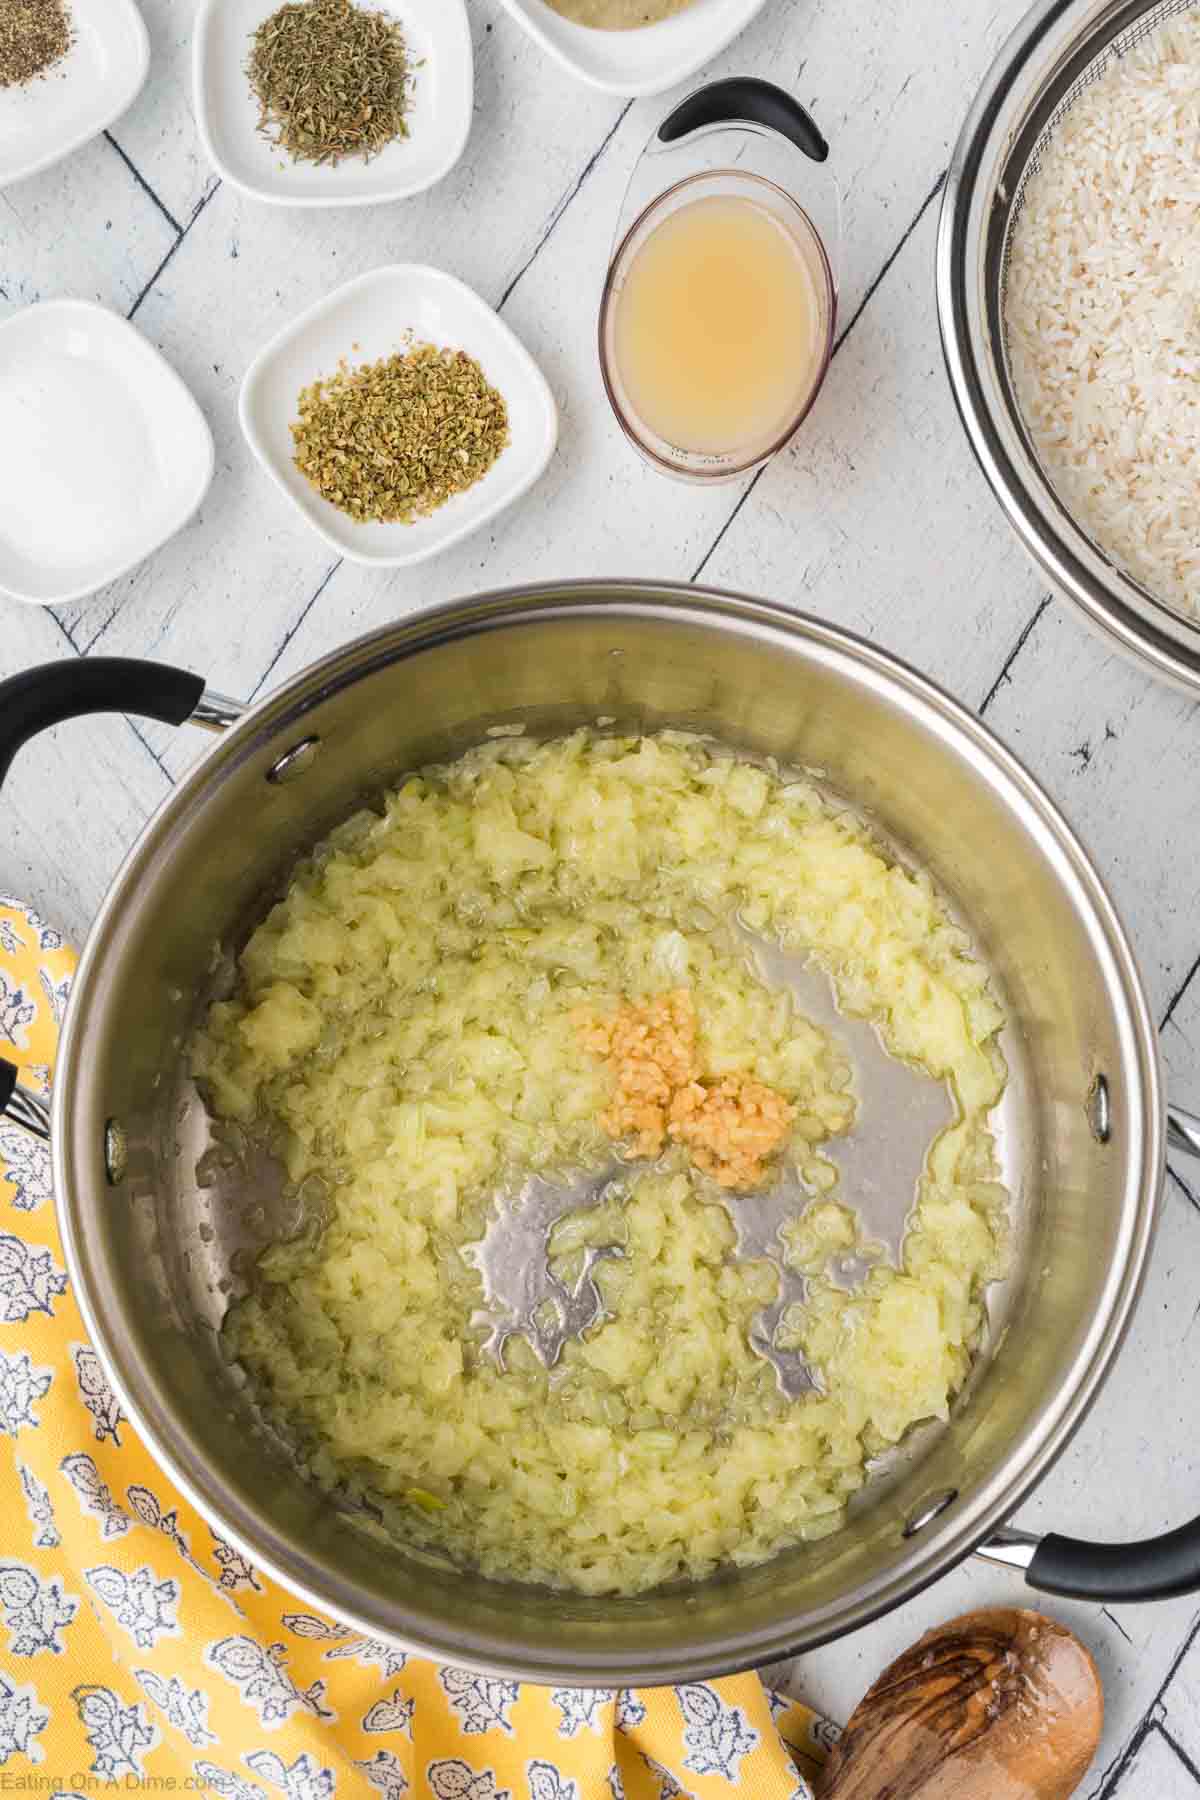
[1160,1568]
[1183,1130]
[745,100]
[21,1106]
[38,698]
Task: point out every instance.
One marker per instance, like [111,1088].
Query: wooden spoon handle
[998,1705]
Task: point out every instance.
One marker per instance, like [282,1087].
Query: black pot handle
[21,1106]
[1160,1568]
[45,696]
[744,99]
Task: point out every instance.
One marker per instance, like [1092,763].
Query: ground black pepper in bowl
[395,439]
[34,35]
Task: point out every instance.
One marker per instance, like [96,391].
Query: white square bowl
[645,61]
[101,74]
[74,376]
[365,320]
[443,95]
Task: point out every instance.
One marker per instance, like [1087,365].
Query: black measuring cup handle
[745,100]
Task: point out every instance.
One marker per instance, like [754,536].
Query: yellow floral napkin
[140,1651]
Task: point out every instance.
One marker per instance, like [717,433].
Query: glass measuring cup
[740,140]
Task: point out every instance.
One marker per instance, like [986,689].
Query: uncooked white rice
[1103,311]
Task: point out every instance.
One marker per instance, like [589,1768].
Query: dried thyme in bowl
[331,80]
[34,35]
[395,439]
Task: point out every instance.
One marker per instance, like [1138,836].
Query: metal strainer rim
[1058,50]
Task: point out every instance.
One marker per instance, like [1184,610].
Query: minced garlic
[729,1126]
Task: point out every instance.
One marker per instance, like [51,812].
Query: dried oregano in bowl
[393,440]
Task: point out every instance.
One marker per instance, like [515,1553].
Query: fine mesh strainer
[1060,48]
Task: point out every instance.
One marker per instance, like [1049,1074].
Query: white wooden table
[876,518]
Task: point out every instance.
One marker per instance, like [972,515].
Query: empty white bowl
[361,322]
[104,454]
[439,120]
[99,77]
[646,61]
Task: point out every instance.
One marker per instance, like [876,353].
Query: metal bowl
[1057,51]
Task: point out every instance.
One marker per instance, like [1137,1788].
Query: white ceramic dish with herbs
[437,39]
[81,94]
[380,315]
[646,60]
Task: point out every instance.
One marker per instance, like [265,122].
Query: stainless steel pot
[1081,1128]
[1057,50]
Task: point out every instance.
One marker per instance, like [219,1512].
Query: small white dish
[438,37]
[646,61]
[100,76]
[365,320]
[104,454]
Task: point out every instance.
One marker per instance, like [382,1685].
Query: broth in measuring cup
[716,324]
[717,328]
